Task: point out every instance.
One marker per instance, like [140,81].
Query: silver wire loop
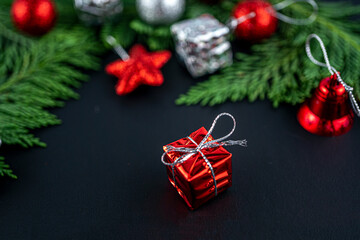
[188,152]
[284,18]
[331,69]
[117,48]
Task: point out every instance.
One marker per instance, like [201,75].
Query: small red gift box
[194,162]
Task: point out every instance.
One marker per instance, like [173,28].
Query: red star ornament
[141,68]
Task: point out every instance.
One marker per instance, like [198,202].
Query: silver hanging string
[233,22]
[281,5]
[188,152]
[117,48]
[331,69]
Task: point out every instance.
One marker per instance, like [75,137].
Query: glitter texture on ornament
[202,44]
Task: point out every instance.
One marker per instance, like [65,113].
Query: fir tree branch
[278,69]
[5,169]
[37,74]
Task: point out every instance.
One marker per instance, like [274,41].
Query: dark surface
[101,177]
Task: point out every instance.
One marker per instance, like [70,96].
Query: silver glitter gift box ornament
[202,44]
[95,12]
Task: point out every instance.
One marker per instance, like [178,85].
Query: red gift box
[194,162]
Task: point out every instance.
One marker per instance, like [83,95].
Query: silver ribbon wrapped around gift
[202,44]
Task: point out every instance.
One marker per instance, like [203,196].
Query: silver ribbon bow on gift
[202,145]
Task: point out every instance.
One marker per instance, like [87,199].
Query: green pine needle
[37,74]
[5,169]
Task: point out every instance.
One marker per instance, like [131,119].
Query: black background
[101,177]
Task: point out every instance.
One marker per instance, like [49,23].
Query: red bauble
[141,68]
[255,29]
[34,17]
[328,112]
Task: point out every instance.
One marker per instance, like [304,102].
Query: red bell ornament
[330,111]
[255,20]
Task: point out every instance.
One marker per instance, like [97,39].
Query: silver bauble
[94,12]
[160,11]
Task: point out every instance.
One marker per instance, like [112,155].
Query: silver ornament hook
[284,18]
[117,48]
